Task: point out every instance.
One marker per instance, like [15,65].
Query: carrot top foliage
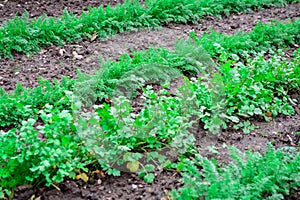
[27,36]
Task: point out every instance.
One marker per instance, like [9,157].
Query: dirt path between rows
[49,63]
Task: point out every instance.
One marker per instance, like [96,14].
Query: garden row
[25,103]
[251,175]
[55,139]
[66,143]
[27,36]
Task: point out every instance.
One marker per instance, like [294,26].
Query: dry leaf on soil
[77,56]
[94,36]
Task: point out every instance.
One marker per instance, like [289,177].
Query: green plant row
[261,38]
[249,176]
[25,102]
[260,88]
[27,36]
[41,155]
[68,140]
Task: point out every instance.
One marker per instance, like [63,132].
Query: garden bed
[58,61]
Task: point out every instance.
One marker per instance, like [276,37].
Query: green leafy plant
[27,36]
[25,103]
[264,37]
[258,88]
[248,176]
[41,154]
[123,140]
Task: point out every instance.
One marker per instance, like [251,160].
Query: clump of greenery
[27,36]
[112,74]
[264,37]
[260,88]
[25,103]
[248,176]
[66,142]
[124,140]
[41,154]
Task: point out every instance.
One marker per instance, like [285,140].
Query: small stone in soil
[134,186]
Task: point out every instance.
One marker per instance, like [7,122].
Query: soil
[50,63]
[11,8]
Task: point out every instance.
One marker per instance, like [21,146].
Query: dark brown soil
[10,8]
[49,63]
[128,187]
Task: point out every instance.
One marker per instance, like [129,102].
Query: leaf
[78,177]
[234,119]
[133,166]
[149,168]
[99,172]
[269,114]
[94,36]
[1,194]
[149,178]
[82,176]
[180,166]
[257,111]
